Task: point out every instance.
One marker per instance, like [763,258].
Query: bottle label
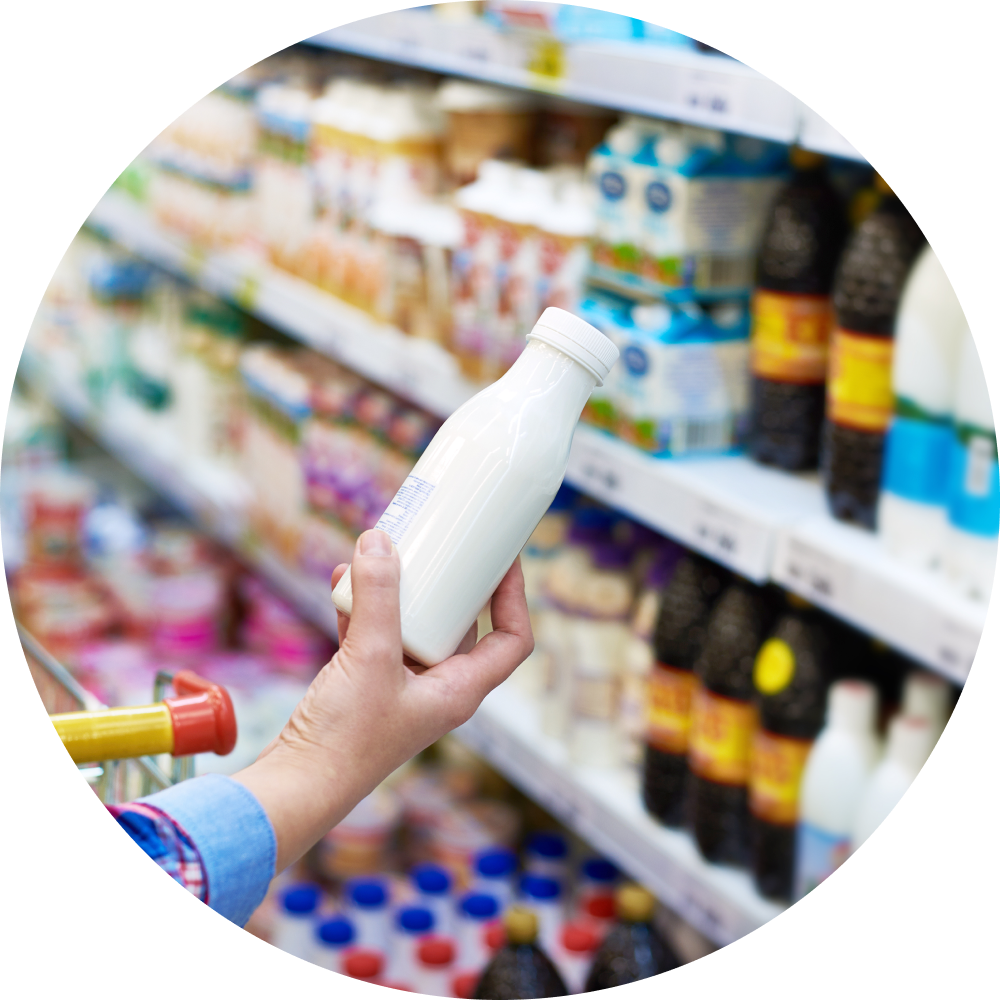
[859,391]
[776,765]
[721,730]
[974,490]
[774,667]
[818,855]
[405,506]
[791,335]
[917,453]
[668,720]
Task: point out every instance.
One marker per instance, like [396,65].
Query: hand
[371,709]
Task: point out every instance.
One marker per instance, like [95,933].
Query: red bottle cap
[202,715]
[495,936]
[601,907]
[437,952]
[579,938]
[464,986]
[363,964]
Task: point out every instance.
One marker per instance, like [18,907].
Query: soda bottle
[789,679]
[677,639]
[520,970]
[633,948]
[793,315]
[723,720]
[859,399]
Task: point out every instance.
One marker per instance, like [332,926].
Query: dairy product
[974,481]
[485,480]
[833,782]
[929,329]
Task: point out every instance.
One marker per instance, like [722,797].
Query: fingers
[374,635]
[343,621]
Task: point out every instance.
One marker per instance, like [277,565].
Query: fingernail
[375,543]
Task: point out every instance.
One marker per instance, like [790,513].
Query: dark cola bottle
[520,970]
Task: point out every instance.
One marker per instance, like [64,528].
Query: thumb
[374,636]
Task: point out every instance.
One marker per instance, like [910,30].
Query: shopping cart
[123,752]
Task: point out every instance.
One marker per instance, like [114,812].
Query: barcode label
[701,435]
[405,506]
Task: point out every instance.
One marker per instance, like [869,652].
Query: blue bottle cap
[336,932]
[300,899]
[431,879]
[551,846]
[480,906]
[416,920]
[536,887]
[496,862]
[368,894]
[599,870]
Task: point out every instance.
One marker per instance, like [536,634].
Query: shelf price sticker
[547,62]
[710,93]
[718,532]
[953,647]
[246,292]
[194,260]
[597,473]
[815,575]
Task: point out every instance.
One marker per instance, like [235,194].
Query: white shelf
[769,525]
[644,78]
[417,370]
[604,807]
[212,498]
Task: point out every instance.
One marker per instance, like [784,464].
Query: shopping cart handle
[199,718]
[203,716]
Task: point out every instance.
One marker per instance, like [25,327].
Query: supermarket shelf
[603,806]
[649,79]
[212,499]
[768,525]
[417,370]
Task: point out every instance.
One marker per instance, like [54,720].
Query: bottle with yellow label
[792,316]
[859,398]
[680,631]
[790,680]
[723,721]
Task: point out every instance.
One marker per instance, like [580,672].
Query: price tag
[194,261]
[814,575]
[598,475]
[547,61]
[953,648]
[245,294]
[710,93]
[717,532]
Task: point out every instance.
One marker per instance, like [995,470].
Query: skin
[371,709]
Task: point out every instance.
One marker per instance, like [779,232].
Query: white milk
[910,744]
[927,696]
[484,482]
[833,782]
[929,328]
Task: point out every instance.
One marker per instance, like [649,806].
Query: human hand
[371,709]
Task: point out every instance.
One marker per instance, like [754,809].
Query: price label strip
[718,532]
[246,292]
[713,94]
[952,647]
[815,575]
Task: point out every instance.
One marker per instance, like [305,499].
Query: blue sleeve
[233,836]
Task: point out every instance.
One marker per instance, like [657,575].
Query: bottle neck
[543,371]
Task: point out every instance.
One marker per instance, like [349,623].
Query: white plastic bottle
[930,325]
[332,939]
[544,897]
[927,696]
[293,924]
[368,909]
[974,483]
[433,885]
[412,925]
[493,874]
[910,744]
[484,482]
[475,912]
[833,782]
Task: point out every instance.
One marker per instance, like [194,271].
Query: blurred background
[758,593]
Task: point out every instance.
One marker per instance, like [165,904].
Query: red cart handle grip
[203,716]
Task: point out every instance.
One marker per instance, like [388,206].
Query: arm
[367,712]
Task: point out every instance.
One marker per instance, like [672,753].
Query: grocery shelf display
[778,522]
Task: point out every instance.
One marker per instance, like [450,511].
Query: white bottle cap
[910,742]
[925,696]
[852,706]
[577,338]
